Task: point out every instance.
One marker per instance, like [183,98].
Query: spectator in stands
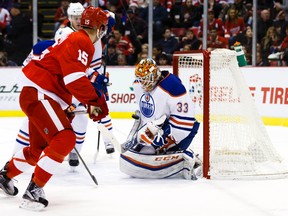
[212,4]
[233,24]
[19,38]
[168,43]
[121,60]
[215,41]
[263,23]
[145,47]
[212,23]
[280,23]
[191,40]
[112,55]
[4,20]
[259,60]
[245,39]
[191,14]
[270,43]
[163,60]
[6,4]
[61,14]
[136,29]
[284,47]
[283,6]
[240,6]
[175,16]
[263,5]
[4,61]
[156,52]
[186,47]
[160,17]
[124,46]
[142,55]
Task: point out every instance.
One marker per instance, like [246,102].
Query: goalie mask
[147,73]
[95,18]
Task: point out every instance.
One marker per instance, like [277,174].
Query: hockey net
[232,138]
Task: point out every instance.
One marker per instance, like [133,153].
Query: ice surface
[117,194]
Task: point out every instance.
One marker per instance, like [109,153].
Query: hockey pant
[51,137]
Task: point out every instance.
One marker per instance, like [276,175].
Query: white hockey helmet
[75,9]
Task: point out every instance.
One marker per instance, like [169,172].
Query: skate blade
[32,205]
[73,169]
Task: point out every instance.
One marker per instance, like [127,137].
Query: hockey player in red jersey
[48,85]
[80,122]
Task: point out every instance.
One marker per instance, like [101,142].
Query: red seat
[178,32]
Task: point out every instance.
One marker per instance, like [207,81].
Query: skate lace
[73,156]
[37,192]
[108,145]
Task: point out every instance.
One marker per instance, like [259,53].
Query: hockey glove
[69,111]
[100,83]
[111,21]
[98,110]
[99,79]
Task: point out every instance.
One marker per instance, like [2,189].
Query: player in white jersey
[100,81]
[168,126]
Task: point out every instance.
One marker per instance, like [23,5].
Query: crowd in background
[177,26]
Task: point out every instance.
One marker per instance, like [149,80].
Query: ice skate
[109,148]
[192,166]
[7,184]
[34,198]
[73,159]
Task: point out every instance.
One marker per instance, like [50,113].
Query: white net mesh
[239,144]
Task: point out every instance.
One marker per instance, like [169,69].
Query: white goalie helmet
[75,9]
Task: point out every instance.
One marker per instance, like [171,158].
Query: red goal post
[232,140]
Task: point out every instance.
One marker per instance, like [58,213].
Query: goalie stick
[129,143]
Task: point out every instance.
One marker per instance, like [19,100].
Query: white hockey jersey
[170,98]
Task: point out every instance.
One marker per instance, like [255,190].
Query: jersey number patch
[182,107]
[83,57]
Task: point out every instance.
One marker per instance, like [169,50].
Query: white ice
[117,194]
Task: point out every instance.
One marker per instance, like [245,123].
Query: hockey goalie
[159,144]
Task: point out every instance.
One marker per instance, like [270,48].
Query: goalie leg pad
[151,166]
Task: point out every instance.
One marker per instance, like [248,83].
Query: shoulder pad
[62,33]
[172,84]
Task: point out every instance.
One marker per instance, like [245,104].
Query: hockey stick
[105,132]
[91,175]
[104,73]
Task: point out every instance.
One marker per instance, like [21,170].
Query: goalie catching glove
[98,109]
[157,133]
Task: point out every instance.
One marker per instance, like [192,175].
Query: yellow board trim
[18,113]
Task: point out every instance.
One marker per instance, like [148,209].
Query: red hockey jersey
[60,71]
